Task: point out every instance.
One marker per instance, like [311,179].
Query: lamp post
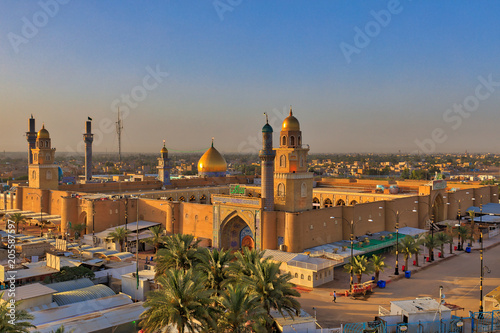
[482,273]
[40,197]
[396,213]
[126,223]
[459,215]
[352,251]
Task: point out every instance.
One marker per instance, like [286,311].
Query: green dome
[267,129]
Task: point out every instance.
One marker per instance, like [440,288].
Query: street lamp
[352,251]
[396,213]
[459,247]
[40,197]
[482,273]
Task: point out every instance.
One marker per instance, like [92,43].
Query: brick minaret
[88,138]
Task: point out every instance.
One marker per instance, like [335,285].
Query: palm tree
[359,266]
[158,237]
[77,229]
[377,265]
[245,259]
[179,253]
[241,311]
[182,301]
[449,232]
[274,290]
[14,323]
[431,243]
[119,235]
[407,248]
[62,330]
[417,251]
[463,234]
[17,218]
[214,265]
[442,239]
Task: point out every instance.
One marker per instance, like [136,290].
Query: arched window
[309,278]
[302,276]
[182,199]
[283,141]
[283,161]
[299,141]
[33,174]
[303,190]
[192,198]
[296,275]
[301,163]
[353,202]
[281,190]
[340,202]
[328,203]
[49,174]
[316,203]
[292,141]
[47,157]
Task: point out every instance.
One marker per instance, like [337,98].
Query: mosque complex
[286,209]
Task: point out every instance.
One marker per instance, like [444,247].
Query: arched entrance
[438,209]
[236,234]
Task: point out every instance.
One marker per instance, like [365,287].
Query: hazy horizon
[362,77]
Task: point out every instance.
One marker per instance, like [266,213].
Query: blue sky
[229,61]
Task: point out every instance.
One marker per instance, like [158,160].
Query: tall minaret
[164,166]
[293,182]
[88,138]
[31,138]
[267,155]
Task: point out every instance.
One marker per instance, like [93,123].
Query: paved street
[458,274]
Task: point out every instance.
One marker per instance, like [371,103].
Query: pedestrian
[334,297]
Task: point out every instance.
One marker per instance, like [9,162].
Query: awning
[489,209]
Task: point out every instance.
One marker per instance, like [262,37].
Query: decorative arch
[353,202]
[203,199]
[281,190]
[283,161]
[283,140]
[170,199]
[316,203]
[182,199]
[292,140]
[327,203]
[438,209]
[192,198]
[235,232]
[299,141]
[340,202]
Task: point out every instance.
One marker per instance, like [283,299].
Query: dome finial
[291,111]
[164,143]
[213,142]
[267,118]
[43,125]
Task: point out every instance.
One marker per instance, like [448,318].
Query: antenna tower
[119,127]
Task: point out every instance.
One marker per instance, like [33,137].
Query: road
[459,275]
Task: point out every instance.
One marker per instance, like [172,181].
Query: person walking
[334,297]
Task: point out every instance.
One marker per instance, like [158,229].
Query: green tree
[14,323]
[359,266]
[78,229]
[245,259]
[214,265]
[407,247]
[377,265]
[61,329]
[241,311]
[119,235]
[72,273]
[463,234]
[274,290]
[179,253]
[17,218]
[431,243]
[158,237]
[182,301]
[42,224]
[442,239]
[449,232]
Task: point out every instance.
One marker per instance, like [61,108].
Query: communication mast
[119,127]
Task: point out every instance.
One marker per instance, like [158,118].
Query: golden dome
[212,161]
[43,133]
[164,149]
[290,123]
